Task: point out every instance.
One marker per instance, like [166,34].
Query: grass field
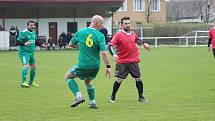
[178,82]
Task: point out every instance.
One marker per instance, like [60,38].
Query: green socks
[73,86]
[75,90]
[32,75]
[91,92]
[24,74]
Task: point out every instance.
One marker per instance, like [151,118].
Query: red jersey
[127,49]
[212,36]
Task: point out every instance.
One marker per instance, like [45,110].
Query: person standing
[127,58]
[90,42]
[27,41]
[211,39]
[13,33]
[104,31]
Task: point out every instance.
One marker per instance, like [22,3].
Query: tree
[148,11]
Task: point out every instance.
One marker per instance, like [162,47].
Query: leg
[33,71]
[24,75]
[116,86]
[25,61]
[91,94]
[74,87]
[121,73]
[32,75]
[214,52]
[135,73]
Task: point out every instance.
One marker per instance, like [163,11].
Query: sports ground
[179,84]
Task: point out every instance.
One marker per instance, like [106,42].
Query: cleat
[112,99]
[25,85]
[92,106]
[76,102]
[142,99]
[34,84]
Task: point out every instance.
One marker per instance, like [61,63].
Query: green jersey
[90,43]
[25,36]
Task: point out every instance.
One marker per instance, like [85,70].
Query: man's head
[31,25]
[97,22]
[126,23]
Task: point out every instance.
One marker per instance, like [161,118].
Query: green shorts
[84,73]
[27,59]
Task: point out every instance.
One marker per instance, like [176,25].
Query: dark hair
[124,18]
[30,22]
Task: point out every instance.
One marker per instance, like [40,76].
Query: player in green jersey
[27,42]
[90,42]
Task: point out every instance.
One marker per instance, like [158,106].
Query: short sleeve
[114,40]
[21,36]
[75,39]
[102,43]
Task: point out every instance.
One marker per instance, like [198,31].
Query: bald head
[97,22]
[97,18]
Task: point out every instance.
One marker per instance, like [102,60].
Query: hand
[27,43]
[146,46]
[44,45]
[115,57]
[108,72]
[209,49]
[73,46]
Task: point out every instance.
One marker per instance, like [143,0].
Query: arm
[21,40]
[145,45]
[106,60]
[112,52]
[72,45]
[74,41]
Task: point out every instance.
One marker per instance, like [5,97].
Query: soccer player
[212,39]
[90,42]
[127,58]
[27,42]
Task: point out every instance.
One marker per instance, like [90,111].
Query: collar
[126,32]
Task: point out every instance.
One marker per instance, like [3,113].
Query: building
[138,11]
[56,16]
[191,10]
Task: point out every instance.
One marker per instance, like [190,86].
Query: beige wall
[139,16]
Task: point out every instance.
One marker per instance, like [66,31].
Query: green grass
[178,82]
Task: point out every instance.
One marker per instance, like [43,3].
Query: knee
[87,82]
[69,75]
[33,67]
[26,66]
[138,79]
[119,80]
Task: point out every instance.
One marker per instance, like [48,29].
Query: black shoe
[112,99]
[92,106]
[76,102]
[142,99]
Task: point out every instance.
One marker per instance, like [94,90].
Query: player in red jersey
[127,58]
[211,39]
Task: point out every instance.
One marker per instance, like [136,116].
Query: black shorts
[122,70]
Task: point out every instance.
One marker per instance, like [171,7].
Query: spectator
[13,34]
[51,44]
[68,37]
[104,31]
[17,31]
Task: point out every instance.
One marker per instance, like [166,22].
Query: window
[124,6]
[155,5]
[138,5]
